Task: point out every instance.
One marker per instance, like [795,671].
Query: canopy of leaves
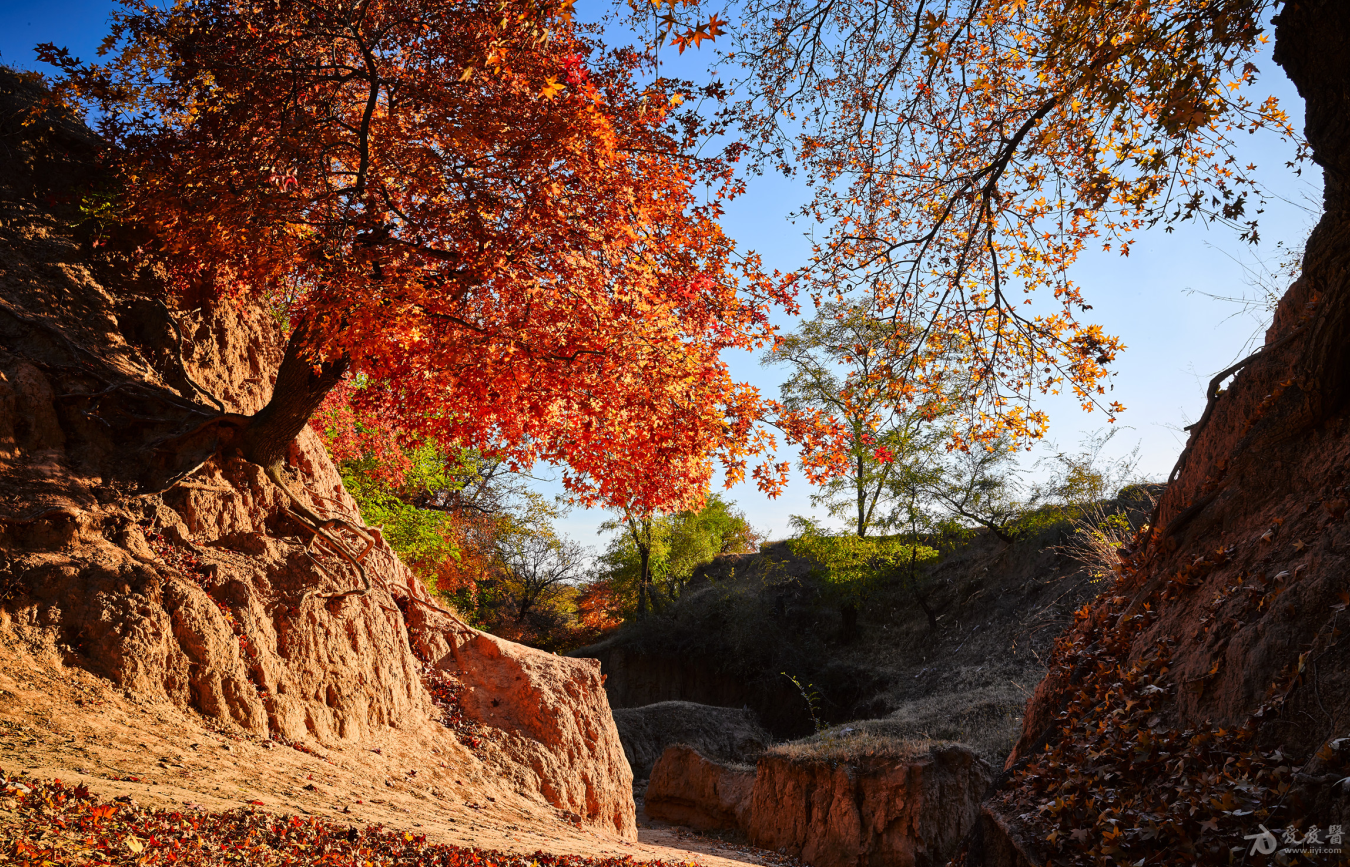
[852,565]
[471,202]
[964,153]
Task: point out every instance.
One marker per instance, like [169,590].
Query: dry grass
[1102,529]
[854,742]
[988,719]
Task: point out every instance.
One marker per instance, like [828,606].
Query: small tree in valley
[652,558]
[862,445]
[536,561]
[851,567]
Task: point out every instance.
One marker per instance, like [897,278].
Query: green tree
[880,445]
[851,567]
[652,558]
[419,535]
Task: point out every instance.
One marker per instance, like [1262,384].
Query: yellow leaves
[552,87]
[1130,98]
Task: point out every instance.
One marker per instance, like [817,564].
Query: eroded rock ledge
[836,805]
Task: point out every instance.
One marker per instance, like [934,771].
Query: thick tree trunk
[644,579]
[301,385]
[848,630]
[262,438]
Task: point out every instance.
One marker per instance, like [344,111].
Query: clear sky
[1155,300]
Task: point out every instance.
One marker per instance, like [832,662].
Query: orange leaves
[709,30]
[46,811]
[670,19]
[552,87]
[964,154]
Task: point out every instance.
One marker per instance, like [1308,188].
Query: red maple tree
[470,210]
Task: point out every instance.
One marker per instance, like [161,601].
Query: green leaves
[852,565]
[675,544]
[421,537]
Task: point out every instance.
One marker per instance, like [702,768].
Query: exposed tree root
[321,528]
[306,517]
[1211,401]
[182,365]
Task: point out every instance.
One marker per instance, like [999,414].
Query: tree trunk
[914,578]
[848,613]
[862,501]
[644,576]
[300,387]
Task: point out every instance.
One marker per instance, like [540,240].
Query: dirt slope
[61,722]
[999,610]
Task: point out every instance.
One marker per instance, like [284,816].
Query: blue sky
[1175,341]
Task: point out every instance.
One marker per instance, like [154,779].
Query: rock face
[720,733]
[688,789]
[554,720]
[868,812]
[199,595]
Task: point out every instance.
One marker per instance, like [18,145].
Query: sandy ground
[61,722]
